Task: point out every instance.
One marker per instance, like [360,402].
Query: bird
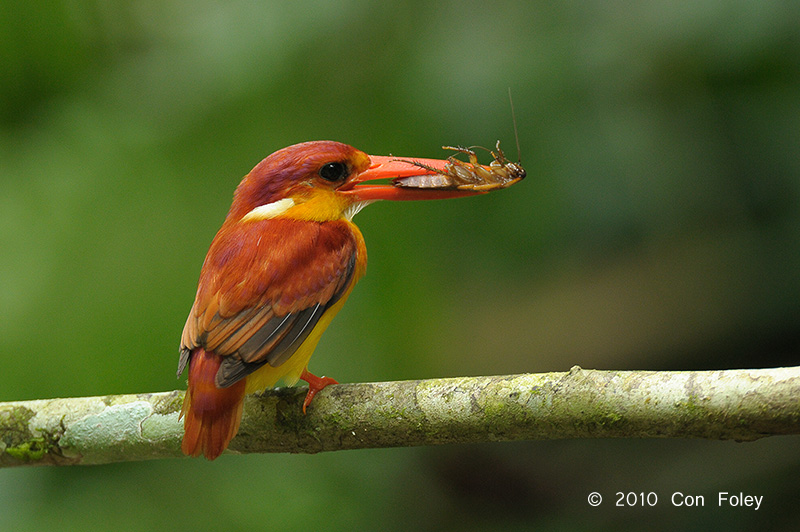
[278,270]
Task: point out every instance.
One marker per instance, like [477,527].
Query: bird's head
[325,180]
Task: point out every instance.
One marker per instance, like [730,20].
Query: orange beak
[392,169]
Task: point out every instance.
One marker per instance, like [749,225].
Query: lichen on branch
[739,405]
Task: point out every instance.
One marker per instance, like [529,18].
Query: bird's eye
[333,171]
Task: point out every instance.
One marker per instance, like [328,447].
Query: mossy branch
[722,405]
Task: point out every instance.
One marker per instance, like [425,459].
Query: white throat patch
[354,209]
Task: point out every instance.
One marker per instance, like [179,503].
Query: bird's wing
[263,288]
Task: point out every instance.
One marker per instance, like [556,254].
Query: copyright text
[679,499]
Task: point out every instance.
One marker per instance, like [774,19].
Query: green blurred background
[659,228]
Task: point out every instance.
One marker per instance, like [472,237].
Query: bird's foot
[315,384]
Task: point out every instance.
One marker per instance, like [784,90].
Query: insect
[466,175]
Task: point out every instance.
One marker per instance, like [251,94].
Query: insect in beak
[418,179]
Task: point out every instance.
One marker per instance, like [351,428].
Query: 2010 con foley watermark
[631,499]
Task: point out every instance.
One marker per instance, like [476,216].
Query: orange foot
[315,384]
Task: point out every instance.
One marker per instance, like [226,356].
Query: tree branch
[722,405]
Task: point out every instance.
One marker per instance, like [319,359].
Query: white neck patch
[270,210]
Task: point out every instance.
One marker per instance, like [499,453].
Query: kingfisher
[278,270]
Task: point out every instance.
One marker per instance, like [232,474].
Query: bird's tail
[211,414]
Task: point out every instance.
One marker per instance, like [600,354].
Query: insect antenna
[514,119]
[466,149]
[475,147]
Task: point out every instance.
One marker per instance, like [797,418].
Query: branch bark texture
[739,405]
